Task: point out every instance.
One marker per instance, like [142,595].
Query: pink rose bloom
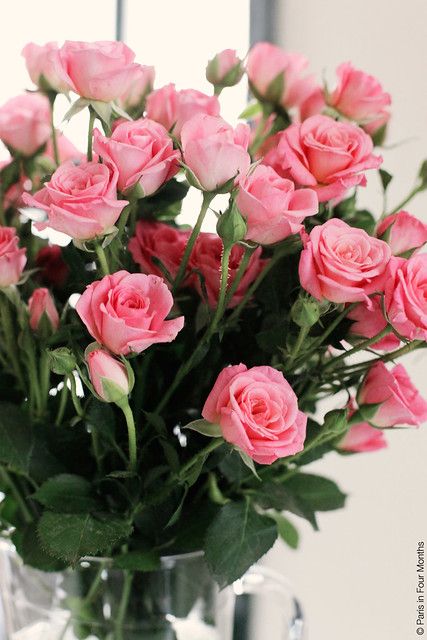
[326,155]
[341,263]
[45,66]
[41,304]
[313,105]
[103,368]
[265,62]
[403,232]
[142,152]
[369,320]
[206,260]
[225,69]
[257,411]
[358,95]
[362,438]
[126,312]
[80,201]
[66,149]
[12,258]
[214,151]
[271,206]
[158,240]
[101,70]
[401,402]
[25,123]
[405,296]
[375,125]
[142,84]
[174,108]
[52,268]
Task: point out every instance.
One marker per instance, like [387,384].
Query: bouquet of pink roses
[159,384]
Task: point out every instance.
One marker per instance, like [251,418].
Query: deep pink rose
[341,263]
[257,411]
[25,123]
[52,268]
[206,260]
[142,153]
[126,312]
[405,296]
[369,320]
[362,438]
[174,108]
[80,201]
[158,240]
[403,232]
[108,376]
[326,155]
[101,70]
[401,402]
[271,206]
[358,95]
[140,87]
[225,69]
[214,151]
[41,304]
[12,258]
[45,66]
[266,62]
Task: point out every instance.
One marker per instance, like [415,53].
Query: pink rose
[66,149]
[266,62]
[369,320]
[206,260]
[403,232]
[126,312]
[214,151]
[400,402]
[45,67]
[12,258]
[271,206]
[80,201]
[362,438]
[405,296]
[158,240]
[174,108]
[142,84]
[52,268]
[340,263]
[323,154]
[108,376]
[142,152]
[41,304]
[225,69]
[373,127]
[358,95]
[99,70]
[257,411]
[25,123]
[313,104]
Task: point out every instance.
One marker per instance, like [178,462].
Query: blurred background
[357,577]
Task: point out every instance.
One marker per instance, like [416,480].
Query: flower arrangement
[172,404]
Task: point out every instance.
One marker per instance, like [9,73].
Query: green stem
[35,389]
[207,199]
[76,400]
[130,422]
[7,478]
[239,275]
[62,403]
[220,308]
[303,333]
[405,201]
[388,357]
[10,340]
[359,347]
[124,602]
[92,118]
[54,133]
[214,444]
[259,136]
[103,262]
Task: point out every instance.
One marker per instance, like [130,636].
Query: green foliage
[138,561]
[67,493]
[16,438]
[286,530]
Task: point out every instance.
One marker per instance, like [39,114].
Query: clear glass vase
[180,601]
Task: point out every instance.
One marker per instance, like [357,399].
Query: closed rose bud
[403,232]
[109,377]
[41,305]
[25,123]
[12,258]
[45,67]
[225,69]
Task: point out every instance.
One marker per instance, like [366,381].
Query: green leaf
[205,428]
[272,495]
[320,494]
[31,552]
[138,561]
[237,538]
[67,493]
[72,536]
[335,423]
[386,178]
[286,530]
[248,462]
[75,108]
[253,109]
[16,438]
[422,174]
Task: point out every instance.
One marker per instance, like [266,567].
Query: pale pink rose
[271,206]
[369,320]
[363,438]
[25,123]
[158,240]
[403,232]
[328,156]
[103,368]
[66,149]
[373,127]
[41,304]
[174,108]
[266,62]
[313,105]
[341,263]
[142,84]
[401,402]
[126,312]
[12,258]
[205,260]
[142,152]
[405,296]
[358,95]
[214,151]
[80,201]
[257,411]
[225,69]
[45,67]
[101,70]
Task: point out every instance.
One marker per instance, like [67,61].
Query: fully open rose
[158,240]
[257,411]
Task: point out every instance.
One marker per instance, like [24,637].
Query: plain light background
[356,578]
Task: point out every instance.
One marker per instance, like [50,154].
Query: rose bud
[225,69]
[12,258]
[42,308]
[45,67]
[133,98]
[362,438]
[109,376]
[25,123]
[403,232]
